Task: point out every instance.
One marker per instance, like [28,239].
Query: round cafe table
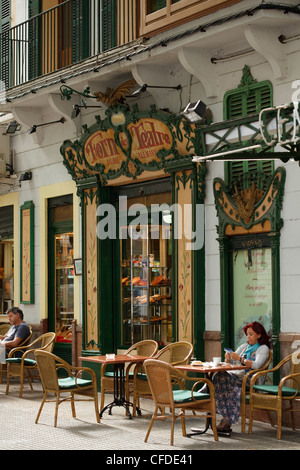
[207,369]
[118,362]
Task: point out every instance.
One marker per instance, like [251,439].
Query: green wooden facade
[94,172]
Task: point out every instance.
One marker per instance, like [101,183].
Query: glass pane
[146,263]
[252,284]
[64,286]
[154,5]
[6,276]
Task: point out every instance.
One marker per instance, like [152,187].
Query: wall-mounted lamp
[26,176]
[33,129]
[12,127]
[195,112]
[76,109]
[145,86]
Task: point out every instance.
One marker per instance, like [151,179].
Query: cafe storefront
[249,242]
[142,208]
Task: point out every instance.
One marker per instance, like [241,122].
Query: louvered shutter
[109,40]
[241,103]
[80,30]
[5,45]
[34,28]
[235,106]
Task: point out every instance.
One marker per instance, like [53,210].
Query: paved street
[115,432]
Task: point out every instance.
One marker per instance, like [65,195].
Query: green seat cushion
[141,376]
[109,374]
[185,396]
[273,390]
[69,382]
[17,360]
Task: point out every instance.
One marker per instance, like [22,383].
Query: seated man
[18,331]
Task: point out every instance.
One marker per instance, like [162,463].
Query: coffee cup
[216,360]
[110,357]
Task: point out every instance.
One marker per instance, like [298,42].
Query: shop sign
[128,143]
[147,136]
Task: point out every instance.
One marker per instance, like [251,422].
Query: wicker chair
[245,397]
[22,366]
[48,364]
[161,378]
[3,367]
[146,347]
[272,397]
[4,328]
[174,354]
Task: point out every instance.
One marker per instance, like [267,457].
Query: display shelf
[146,294]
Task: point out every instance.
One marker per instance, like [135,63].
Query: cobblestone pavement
[115,432]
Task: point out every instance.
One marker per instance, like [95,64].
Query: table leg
[119,392]
[198,432]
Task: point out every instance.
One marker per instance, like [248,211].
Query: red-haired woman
[253,354]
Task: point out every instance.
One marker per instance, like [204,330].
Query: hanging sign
[128,143]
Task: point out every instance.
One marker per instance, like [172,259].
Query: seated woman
[228,385]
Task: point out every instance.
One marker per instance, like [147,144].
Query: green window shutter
[108,25]
[239,103]
[80,30]
[235,106]
[34,7]
[5,42]
[244,101]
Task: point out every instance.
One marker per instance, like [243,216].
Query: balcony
[161,15]
[65,35]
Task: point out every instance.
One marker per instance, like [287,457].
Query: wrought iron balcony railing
[65,35]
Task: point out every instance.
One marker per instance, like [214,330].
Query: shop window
[6,258]
[144,270]
[61,268]
[248,99]
[6,275]
[154,5]
[252,290]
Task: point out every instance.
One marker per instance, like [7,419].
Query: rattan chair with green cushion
[174,354]
[24,365]
[3,367]
[245,396]
[161,378]
[274,397]
[147,347]
[73,384]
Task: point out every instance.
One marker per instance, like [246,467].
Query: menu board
[252,290]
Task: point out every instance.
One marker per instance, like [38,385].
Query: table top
[211,368]
[119,359]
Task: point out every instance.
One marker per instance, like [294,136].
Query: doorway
[61,273]
[142,264]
